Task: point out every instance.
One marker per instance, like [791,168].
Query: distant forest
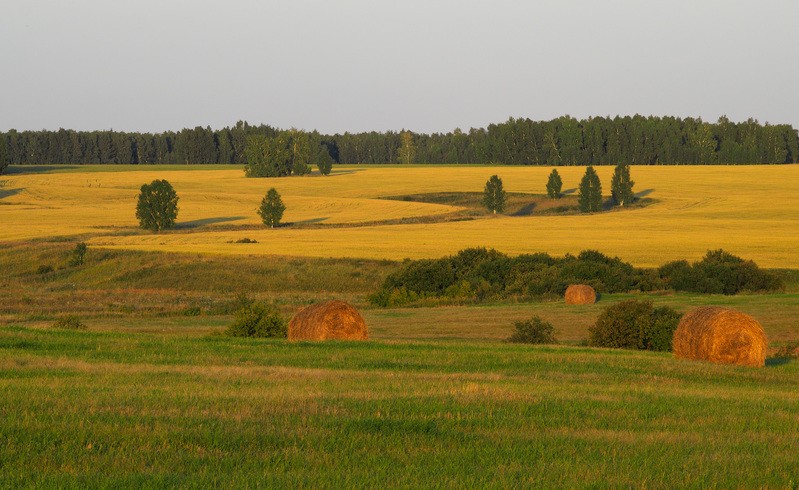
[562,141]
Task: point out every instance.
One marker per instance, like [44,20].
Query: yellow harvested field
[752,211]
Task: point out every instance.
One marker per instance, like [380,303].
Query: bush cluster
[256,319]
[635,324]
[533,331]
[718,272]
[480,274]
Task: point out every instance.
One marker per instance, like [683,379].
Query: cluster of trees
[287,153]
[589,197]
[157,207]
[481,274]
[590,190]
[637,140]
[563,141]
[187,146]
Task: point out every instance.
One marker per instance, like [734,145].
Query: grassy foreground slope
[118,410]
[747,210]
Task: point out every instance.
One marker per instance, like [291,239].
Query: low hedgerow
[635,324]
[258,319]
[718,272]
[480,274]
[533,331]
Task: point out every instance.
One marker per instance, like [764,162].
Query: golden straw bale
[580,294]
[327,321]
[721,335]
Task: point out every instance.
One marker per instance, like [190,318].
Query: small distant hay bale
[721,335]
[580,294]
[328,321]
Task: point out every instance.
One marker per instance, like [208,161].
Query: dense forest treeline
[562,141]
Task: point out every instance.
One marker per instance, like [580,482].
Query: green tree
[3,153]
[324,162]
[407,149]
[267,157]
[554,184]
[494,195]
[78,254]
[272,208]
[157,208]
[621,187]
[300,144]
[590,197]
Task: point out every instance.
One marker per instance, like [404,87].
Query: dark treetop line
[562,141]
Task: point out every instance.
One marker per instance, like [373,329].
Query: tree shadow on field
[9,192]
[777,361]
[337,173]
[525,210]
[644,193]
[311,221]
[206,221]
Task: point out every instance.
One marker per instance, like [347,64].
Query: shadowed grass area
[111,409]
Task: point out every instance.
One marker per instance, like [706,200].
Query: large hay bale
[580,294]
[327,321]
[722,335]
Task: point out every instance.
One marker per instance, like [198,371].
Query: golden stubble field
[752,211]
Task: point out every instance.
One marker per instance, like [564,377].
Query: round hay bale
[580,294]
[721,335]
[328,321]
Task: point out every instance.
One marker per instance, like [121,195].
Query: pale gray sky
[424,65]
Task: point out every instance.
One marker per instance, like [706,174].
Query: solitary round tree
[494,195]
[621,187]
[272,207]
[554,184]
[158,206]
[590,198]
[324,162]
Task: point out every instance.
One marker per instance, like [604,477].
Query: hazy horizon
[357,65]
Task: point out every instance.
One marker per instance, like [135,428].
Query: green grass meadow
[109,409]
[149,396]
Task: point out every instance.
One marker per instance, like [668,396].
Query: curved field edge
[110,409]
[747,210]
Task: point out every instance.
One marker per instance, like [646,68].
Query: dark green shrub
[69,322]
[533,331]
[78,255]
[661,330]
[258,320]
[388,298]
[718,272]
[423,276]
[45,269]
[192,311]
[634,324]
